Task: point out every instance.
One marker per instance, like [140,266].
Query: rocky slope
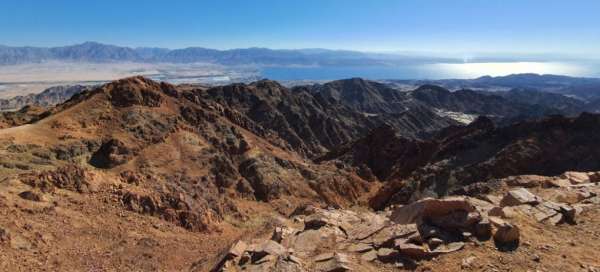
[458,159]
[152,176]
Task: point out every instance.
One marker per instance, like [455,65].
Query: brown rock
[594,177]
[506,234]
[339,263]
[324,257]
[363,231]
[369,256]
[31,195]
[386,237]
[360,248]
[456,219]
[237,249]
[493,199]
[483,229]
[266,248]
[315,221]
[576,177]
[542,213]
[412,250]
[556,219]
[557,182]
[430,208]
[385,254]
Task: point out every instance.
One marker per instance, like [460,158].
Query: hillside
[153,176]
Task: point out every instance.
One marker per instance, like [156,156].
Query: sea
[432,71]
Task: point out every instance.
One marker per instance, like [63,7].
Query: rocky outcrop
[137,91]
[315,239]
[110,154]
[170,208]
[466,158]
[70,177]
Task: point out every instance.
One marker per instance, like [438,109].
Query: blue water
[432,71]
[332,73]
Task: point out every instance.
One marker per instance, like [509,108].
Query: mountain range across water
[98,52]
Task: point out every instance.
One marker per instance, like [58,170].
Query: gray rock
[519,197]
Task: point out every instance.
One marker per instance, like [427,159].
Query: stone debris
[344,240]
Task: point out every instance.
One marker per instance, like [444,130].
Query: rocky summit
[351,175]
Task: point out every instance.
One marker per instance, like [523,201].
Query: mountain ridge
[99,52]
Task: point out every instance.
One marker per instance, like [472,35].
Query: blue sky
[441,26]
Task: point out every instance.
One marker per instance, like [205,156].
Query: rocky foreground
[316,239]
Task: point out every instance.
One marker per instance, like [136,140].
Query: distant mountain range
[98,52]
[581,88]
[460,100]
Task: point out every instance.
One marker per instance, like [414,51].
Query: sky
[432,26]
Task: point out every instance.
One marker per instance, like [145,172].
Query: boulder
[576,177]
[32,196]
[365,230]
[411,250]
[268,247]
[594,177]
[338,263]
[237,249]
[505,233]
[430,208]
[542,213]
[556,219]
[557,182]
[386,237]
[519,196]
[483,229]
[456,219]
[493,199]
[110,154]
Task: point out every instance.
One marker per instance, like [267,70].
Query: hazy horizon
[458,28]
